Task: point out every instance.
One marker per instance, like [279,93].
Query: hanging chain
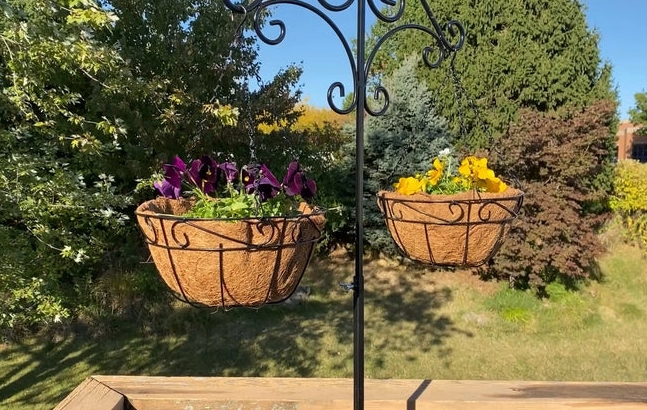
[228,62]
[236,41]
[250,119]
[289,148]
[461,93]
[250,122]
[247,103]
[432,111]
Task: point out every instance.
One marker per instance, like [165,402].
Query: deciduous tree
[60,211]
[638,114]
[94,97]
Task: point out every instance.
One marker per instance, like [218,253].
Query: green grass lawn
[419,324]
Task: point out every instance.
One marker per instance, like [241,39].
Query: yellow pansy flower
[484,173]
[472,174]
[408,186]
[466,166]
[495,185]
[435,174]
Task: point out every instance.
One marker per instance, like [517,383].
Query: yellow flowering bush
[472,174]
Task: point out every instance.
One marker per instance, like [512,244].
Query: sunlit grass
[419,324]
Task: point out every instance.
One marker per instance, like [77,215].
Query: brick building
[631,145]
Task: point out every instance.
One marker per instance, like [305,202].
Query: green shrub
[629,199]
[26,297]
[61,215]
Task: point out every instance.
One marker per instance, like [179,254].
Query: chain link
[247,101]
[433,111]
[461,93]
[250,127]
[228,62]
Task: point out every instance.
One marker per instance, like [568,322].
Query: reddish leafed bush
[564,165]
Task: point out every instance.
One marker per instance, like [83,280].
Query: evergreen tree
[536,54]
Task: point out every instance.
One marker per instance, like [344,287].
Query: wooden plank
[92,394]
[166,393]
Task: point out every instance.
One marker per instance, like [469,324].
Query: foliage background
[62,212]
[98,95]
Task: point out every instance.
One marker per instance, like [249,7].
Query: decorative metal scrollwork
[465,229]
[446,39]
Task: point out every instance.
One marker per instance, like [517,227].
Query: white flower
[80,256]
[107,213]
[445,152]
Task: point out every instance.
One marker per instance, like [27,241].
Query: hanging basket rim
[315,211]
[471,196]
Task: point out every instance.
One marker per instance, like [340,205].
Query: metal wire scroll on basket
[464,229]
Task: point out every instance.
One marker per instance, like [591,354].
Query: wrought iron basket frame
[464,209]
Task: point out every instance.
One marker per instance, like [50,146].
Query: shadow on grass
[403,318]
[311,339]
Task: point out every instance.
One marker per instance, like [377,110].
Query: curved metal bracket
[347,286]
[446,40]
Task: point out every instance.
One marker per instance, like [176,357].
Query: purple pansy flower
[230,171]
[260,179]
[296,183]
[171,185]
[203,173]
[207,175]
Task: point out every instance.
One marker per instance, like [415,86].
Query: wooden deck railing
[223,393]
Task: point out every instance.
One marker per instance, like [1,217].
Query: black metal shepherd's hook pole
[442,46]
[358,279]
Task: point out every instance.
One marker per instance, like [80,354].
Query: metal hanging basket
[229,262]
[465,229]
